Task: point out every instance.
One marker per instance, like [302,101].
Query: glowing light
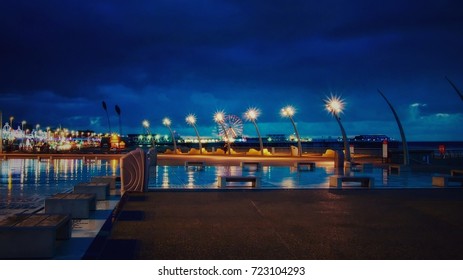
[167,122]
[191,119]
[146,123]
[334,104]
[219,117]
[252,114]
[288,111]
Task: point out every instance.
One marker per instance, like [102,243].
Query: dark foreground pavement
[290,224]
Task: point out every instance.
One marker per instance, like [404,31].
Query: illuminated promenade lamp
[251,115]
[219,117]
[401,129]
[288,112]
[335,105]
[167,122]
[146,125]
[191,120]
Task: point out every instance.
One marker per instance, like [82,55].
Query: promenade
[290,224]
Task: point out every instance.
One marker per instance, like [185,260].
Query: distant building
[371,138]
[276,138]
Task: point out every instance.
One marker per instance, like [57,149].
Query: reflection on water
[24,183]
[279,177]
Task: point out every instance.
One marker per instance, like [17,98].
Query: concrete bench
[253,165]
[32,236]
[456,172]
[106,179]
[305,166]
[337,180]
[199,165]
[444,180]
[78,205]
[396,169]
[101,190]
[223,180]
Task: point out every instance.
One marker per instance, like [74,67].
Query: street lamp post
[335,105]
[167,122]
[219,117]
[289,112]
[107,115]
[146,125]
[191,120]
[251,115]
[401,129]
[152,153]
[23,123]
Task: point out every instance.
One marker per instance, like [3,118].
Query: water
[25,183]
[278,177]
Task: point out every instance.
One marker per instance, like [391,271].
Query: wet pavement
[358,224]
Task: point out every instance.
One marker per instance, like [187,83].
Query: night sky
[60,59]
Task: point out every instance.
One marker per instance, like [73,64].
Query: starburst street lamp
[146,125]
[167,122]
[251,115]
[219,117]
[288,112]
[191,120]
[335,105]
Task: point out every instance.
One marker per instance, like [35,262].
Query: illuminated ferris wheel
[232,127]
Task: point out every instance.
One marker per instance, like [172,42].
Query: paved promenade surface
[290,224]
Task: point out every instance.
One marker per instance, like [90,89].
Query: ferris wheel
[232,127]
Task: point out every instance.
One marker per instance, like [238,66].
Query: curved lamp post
[191,120]
[335,105]
[167,122]
[288,112]
[402,133]
[251,115]
[107,115]
[118,111]
[219,117]
[146,125]
[455,88]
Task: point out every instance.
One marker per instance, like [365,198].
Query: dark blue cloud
[60,59]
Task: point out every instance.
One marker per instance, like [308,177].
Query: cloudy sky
[167,58]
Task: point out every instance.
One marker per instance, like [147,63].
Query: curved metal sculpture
[335,106]
[251,115]
[288,112]
[455,88]
[402,133]
[191,120]
[134,171]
